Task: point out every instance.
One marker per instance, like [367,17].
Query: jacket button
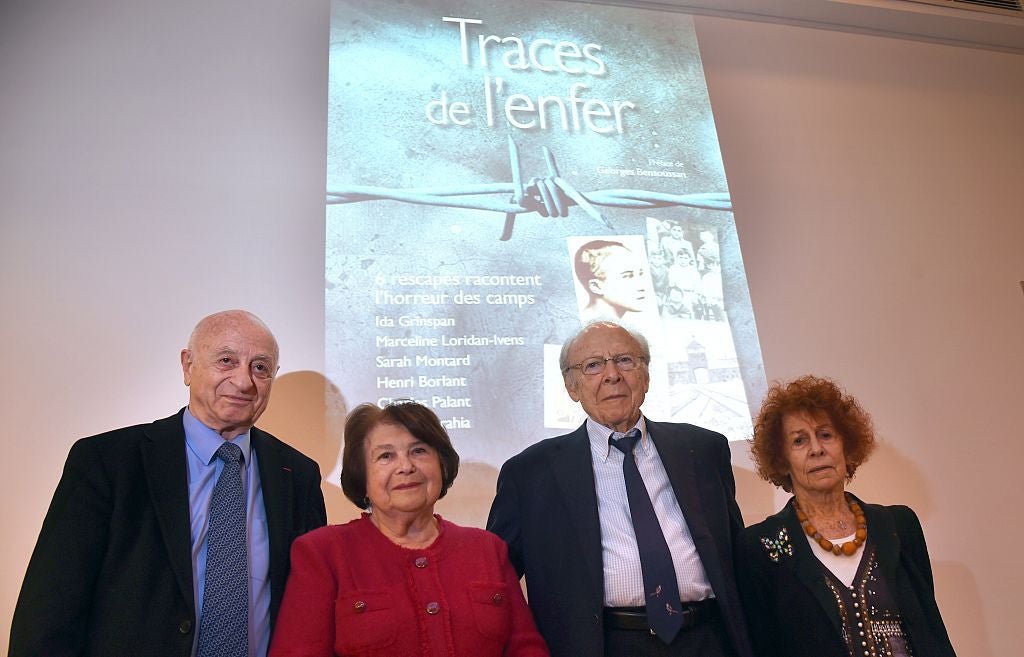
[359,606]
[185,626]
[421,562]
[497,598]
[433,608]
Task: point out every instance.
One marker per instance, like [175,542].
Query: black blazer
[791,611]
[111,574]
[546,510]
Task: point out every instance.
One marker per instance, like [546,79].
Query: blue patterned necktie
[224,630]
[664,610]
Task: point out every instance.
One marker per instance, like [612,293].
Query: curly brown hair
[815,395]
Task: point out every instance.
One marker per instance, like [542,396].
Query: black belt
[635,618]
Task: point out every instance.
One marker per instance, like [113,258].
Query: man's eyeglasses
[594,366]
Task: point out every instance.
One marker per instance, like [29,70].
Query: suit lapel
[807,567]
[694,478]
[276,483]
[680,462]
[882,533]
[163,458]
[574,475]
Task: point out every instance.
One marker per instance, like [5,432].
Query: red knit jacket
[354,593]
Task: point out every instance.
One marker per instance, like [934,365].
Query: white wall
[878,193]
[161,161]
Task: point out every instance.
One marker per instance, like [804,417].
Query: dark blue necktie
[224,630]
[664,610]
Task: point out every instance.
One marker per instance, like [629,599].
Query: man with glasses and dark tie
[171,539]
[624,529]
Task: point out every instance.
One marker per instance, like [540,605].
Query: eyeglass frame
[640,359]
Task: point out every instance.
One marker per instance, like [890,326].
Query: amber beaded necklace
[848,548]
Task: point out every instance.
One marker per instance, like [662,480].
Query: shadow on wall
[308,412]
[889,477]
[962,609]
[755,496]
[469,499]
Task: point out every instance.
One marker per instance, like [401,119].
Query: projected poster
[501,173]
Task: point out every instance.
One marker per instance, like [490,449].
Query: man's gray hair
[563,356]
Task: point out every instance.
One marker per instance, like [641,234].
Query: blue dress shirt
[201,443]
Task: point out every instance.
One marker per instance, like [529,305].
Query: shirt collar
[599,436]
[204,441]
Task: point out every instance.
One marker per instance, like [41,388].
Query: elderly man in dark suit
[172,538]
[625,528]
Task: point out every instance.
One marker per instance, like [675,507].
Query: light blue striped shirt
[623,578]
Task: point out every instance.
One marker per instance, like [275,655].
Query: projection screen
[501,173]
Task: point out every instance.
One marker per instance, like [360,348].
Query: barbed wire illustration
[549,196]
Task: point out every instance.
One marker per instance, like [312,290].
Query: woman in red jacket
[400,580]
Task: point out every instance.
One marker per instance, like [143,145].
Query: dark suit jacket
[546,510]
[111,574]
[790,609]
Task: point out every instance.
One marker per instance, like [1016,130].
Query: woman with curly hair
[829,575]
